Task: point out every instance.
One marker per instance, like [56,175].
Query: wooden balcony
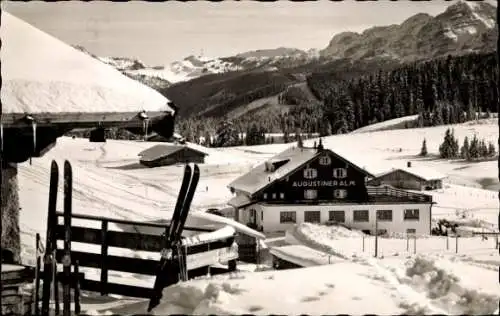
[379,194]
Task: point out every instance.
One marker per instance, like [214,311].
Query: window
[325,160]
[411,231]
[310,173]
[310,194]
[282,196]
[274,196]
[265,196]
[340,193]
[339,173]
[412,215]
[336,216]
[288,217]
[360,216]
[384,215]
[312,216]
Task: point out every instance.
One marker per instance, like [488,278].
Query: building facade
[165,155]
[402,218]
[316,185]
[410,178]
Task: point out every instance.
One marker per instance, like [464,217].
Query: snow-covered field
[430,274]
[108,181]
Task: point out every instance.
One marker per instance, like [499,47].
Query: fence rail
[131,223]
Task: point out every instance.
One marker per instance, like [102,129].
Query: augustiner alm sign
[324,183]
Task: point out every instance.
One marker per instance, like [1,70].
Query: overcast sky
[159,33]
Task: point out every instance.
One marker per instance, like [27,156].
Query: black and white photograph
[250,157]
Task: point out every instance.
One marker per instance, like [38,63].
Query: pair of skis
[50,263]
[172,265]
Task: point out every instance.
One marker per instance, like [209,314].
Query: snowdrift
[41,74]
[320,237]
[457,288]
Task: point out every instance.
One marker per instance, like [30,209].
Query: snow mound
[60,78]
[446,288]
[319,237]
[199,299]
[225,232]
[327,232]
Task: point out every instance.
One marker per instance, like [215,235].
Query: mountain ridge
[214,86]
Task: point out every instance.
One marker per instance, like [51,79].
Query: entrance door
[253,218]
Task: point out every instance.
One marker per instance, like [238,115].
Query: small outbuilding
[165,155]
[410,178]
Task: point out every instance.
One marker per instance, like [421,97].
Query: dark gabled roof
[161,151]
[258,178]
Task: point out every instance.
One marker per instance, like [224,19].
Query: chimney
[408,164]
[320,145]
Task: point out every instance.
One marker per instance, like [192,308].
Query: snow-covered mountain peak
[472,12]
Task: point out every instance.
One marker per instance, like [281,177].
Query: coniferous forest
[442,91]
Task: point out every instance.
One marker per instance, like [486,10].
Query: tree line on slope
[472,150]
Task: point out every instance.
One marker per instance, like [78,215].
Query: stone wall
[10,242]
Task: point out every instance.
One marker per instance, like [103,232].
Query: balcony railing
[393,192]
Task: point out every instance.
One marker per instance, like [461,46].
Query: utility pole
[376,234]
[498,114]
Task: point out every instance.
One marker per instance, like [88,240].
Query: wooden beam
[79,120]
[486,233]
[133,241]
[115,263]
[147,266]
[132,223]
[15,274]
[120,289]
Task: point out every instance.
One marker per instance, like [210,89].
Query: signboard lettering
[324,183]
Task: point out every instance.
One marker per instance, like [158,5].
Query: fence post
[415,244]
[104,255]
[37,284]
[456,242]
[447,243]
[76,290]
[407,243]
[363,243]
[376,234]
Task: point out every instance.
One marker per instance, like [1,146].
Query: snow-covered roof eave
[61,81]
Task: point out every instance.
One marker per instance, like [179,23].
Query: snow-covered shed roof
[239,201]
[160,151]
[423,173]
[41,74]
[285,162]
